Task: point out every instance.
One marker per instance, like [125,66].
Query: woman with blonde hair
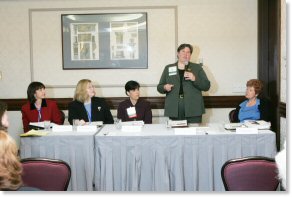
[86,107]
[10,167]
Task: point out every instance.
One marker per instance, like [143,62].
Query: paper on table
[185,131]
[131,128]
[133,123]
[62,128]
[41,124]
[96,123]
[242,130]
[259,124]
[86,128]
[177,123]
[34,133]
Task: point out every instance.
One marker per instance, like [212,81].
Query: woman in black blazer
[88,108]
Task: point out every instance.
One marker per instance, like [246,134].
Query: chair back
[232,117]
[250,174]
[46,174]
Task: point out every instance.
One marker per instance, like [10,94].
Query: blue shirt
[249,112]
[88,110]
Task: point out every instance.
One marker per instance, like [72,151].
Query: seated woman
[134,108]
[88,108]
[39,109]
[3,116]
[255,107]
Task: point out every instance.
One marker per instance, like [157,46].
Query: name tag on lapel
[172,70]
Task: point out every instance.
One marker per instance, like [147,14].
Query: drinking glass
[47,125]
[75,124]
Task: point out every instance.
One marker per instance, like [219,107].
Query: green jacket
[193,99]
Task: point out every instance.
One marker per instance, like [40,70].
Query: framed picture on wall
[100,41]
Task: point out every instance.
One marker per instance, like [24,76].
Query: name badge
[131,111]
[172,70]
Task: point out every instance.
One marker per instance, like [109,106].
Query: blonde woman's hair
[10,166]
[81,94]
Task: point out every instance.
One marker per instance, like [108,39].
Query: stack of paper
[62,128]
[177,123]
[34,133]
[233,126]
[259,124]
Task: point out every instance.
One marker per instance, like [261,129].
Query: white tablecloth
[158,160]
[76,148]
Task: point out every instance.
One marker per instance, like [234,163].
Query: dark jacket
[264,108]
[193,99]
[143,111]
[99,111]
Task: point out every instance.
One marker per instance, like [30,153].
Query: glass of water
[47,125]
[118,123]
[75,124]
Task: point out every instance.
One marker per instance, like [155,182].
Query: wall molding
[156,102]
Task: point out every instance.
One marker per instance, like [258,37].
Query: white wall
[223,32]
[283,60]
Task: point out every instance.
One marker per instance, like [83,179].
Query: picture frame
[104,41]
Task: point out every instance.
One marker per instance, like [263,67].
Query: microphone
[187,68]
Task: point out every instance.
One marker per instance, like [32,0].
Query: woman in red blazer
[38,109]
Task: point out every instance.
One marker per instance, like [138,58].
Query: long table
[76,148]
[157,159]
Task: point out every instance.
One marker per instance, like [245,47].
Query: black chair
[46,174]
[232,116]
[63,116]
[250,174]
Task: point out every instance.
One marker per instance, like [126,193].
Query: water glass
[75,124]
[47,125]
[118,123]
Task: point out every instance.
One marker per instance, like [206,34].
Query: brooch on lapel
[98,108]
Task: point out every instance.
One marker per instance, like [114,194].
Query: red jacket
[49,111]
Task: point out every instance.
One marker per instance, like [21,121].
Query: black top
[143,111]
[181,77]
[99,111]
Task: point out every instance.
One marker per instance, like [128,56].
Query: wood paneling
[282,109]
[156,102]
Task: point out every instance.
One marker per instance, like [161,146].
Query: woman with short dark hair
[134,108]
[183,83]
[38,108]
